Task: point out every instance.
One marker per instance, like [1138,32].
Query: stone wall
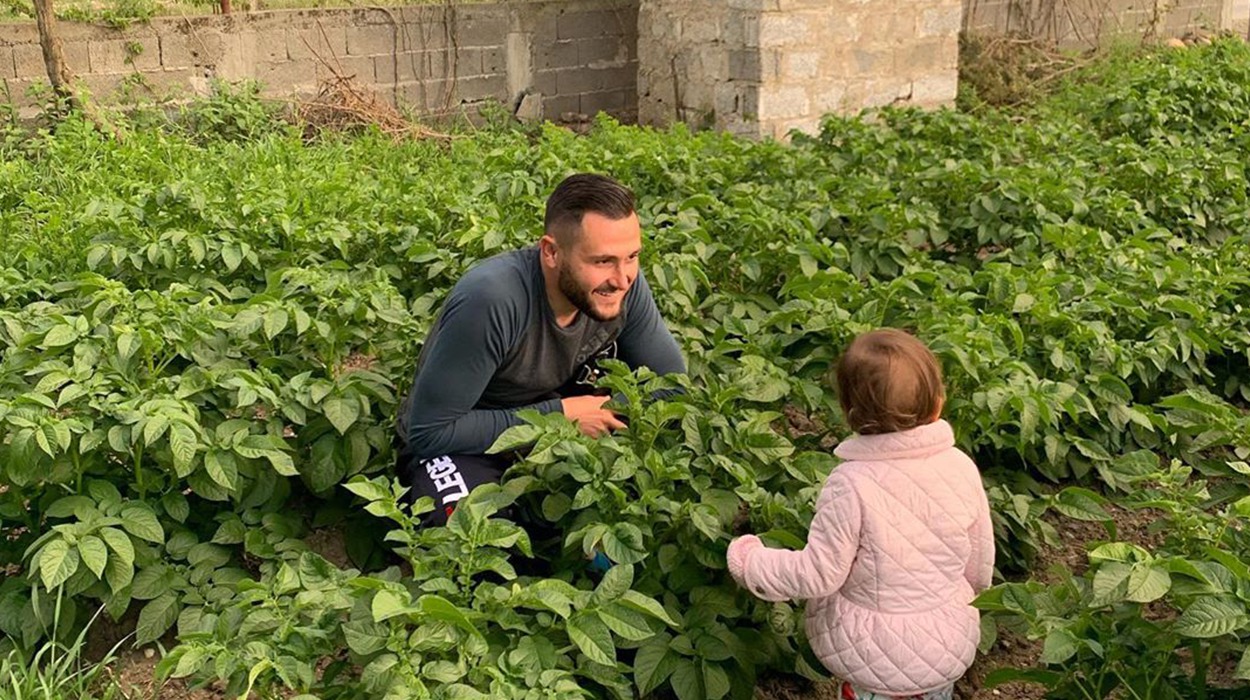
[570,56]
[764,67]
[1089,23]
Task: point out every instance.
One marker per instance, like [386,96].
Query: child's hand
[739,550]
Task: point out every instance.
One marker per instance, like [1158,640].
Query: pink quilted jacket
[900,542]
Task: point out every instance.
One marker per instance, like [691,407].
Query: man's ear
[548,250]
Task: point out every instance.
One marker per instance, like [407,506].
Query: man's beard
[580,298]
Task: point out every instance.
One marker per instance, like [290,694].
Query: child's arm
[980,569]
[816,571]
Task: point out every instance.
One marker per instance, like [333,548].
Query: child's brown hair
[889,381]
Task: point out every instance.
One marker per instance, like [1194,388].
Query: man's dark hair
[581,193]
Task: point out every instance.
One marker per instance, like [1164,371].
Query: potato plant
[205,330]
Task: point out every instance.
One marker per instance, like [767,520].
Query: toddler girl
[901,540]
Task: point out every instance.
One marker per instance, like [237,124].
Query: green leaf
[388,604]
[1060,645]
[342,412]
[1023,303]
[1211,616]
[624,544]
[715,681]
[1111,582]
[183,445]
[440,608]
[1243,666]
[688,681]
[94,554]
[221,468]
[1081,504]
[654,663]
[1147,582]
[60,335]
[625,622]
[156,618]
[614,584]
[151,583]
[176,506]
[516,437]
[57,562]
[141,522]
[269,447]
[650,606]
[592,636]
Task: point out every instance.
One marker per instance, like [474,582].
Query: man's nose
[620,276]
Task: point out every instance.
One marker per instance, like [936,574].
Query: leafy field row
[204,331]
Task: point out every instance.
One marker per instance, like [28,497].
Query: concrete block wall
[1090,23]
[570,56]
[765,67]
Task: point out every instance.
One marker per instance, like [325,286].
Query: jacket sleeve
[817,570]
[980,568]
[476,331]
[645,341]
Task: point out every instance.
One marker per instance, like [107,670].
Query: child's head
[889,381]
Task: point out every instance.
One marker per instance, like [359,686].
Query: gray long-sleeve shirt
[496,348]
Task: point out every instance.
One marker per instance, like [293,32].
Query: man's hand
[590,415]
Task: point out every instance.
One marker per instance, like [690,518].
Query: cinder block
[586,25]
[384,68]
[592,80]
[425,36]
[940,22]
[801,64]
[120,55]
[700,29]
[16,91]
[468,62]
[886,28]
[776,29]
[545,81]
[553,107]
[783,102]
[482,87]
[494,60]
[481,31]
[28,62]
[17,33]
[829,98]
[358,68]
[439,94]
[602,53]
[744,65]
[202,47]
[843,26]
[176,51]
[375,40]
[556,54]
[605,101]
[873,62]
[326,41]
[288,77]
[170,84]
[935,90]
[104,88]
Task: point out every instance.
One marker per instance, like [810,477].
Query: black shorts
[448,479]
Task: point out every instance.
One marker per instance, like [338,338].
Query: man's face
[600,265]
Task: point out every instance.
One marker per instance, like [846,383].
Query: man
[524,329]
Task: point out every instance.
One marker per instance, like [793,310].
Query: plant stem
[1200,670]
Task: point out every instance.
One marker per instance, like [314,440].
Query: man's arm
[476,330]
[645,341]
